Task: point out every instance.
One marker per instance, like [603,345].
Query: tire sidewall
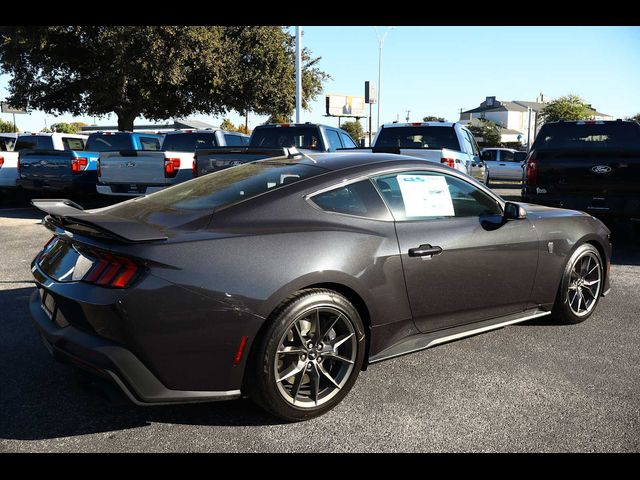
[263,388]
[566,313]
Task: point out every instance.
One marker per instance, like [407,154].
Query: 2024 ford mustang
[282,279]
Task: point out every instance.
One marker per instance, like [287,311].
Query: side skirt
[415,343]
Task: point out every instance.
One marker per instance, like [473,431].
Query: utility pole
[408,112]
[381,45]
[298,73]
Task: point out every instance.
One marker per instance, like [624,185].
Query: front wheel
[581,286]
[309,356]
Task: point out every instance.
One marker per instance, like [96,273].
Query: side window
[347,141]
[474,144]
[150,143]
[245,140]
[431,196]
[233,140]
[467,142]
[489,155]
[360,198]
[334,139]
[72,143]
[506,156]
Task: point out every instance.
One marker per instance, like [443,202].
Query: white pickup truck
[133,173]
[32,141]
[441,142]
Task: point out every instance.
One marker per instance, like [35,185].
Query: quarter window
[334,139]
[73,143]
[359,198]
[432,195]
[150,143]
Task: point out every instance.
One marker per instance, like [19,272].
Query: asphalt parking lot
[532,387]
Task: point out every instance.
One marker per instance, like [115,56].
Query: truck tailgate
[45,164]
[133,166]
[611,172]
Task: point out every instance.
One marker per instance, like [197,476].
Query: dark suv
[592,166]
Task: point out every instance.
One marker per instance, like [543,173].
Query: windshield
[589,136]
[232,185]
[109,143]
[418,137]
[276,137]
[188,142]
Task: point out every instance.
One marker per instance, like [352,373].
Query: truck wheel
[580,287]
[309,356]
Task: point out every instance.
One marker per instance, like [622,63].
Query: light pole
[380,44]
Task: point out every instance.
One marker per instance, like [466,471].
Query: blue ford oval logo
[601,169]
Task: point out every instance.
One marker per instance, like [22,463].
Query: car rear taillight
[78,164]
[531,172]
[111,271]
[1,161]
[171,166]
[194,169]
[449,162]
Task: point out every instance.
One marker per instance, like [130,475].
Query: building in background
[518,120]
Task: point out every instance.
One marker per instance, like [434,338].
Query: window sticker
[426,196]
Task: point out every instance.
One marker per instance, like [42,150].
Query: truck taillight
[532,172]
[79,164]
[449,162]
[194,169]
[171,166]
[111,271]
[1,161]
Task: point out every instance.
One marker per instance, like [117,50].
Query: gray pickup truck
[272,141]
[133,173]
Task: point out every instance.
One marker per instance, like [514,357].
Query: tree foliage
[431,118]
[64,127]
[635,118]
[7,127]
[487,133]
[156,71]
[354,129]
[569,107]
[228,125]
[279,118]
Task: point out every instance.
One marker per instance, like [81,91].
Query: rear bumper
[627,206]
[84,182]
[121,190]
[113,362]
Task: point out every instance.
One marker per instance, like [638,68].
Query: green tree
[354,129]
[64,127]
[156,71]
[569,107]
[228,125]
[7,127]
[279,118]
[487,133]
[431,118]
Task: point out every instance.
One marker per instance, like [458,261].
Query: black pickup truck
[269,141]
[593,166]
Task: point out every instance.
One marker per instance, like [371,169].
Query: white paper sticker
[426,196]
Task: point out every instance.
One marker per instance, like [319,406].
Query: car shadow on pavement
[42,399]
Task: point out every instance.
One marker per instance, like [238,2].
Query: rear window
[232,185]
[7,143]
[34,142]
[70,143]
[233,140]
[588,136]
[276,137]
[109,143]
[418,137]
[188,142]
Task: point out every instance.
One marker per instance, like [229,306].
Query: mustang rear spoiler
[71,216]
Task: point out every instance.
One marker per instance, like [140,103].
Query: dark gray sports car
[282,279]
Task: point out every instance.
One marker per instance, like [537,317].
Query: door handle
[425,250]
[503,164]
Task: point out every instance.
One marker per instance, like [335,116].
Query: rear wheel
[309,357]
[581,286]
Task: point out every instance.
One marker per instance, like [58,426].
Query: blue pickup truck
[44,170]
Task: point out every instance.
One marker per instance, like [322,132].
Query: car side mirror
[513,211]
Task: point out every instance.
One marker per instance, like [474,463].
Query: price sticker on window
[426,196]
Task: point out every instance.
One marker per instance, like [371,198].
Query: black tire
[562,311]
[261,378]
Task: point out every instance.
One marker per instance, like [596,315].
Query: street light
[380,44]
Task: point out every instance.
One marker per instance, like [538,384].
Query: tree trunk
[125,121]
